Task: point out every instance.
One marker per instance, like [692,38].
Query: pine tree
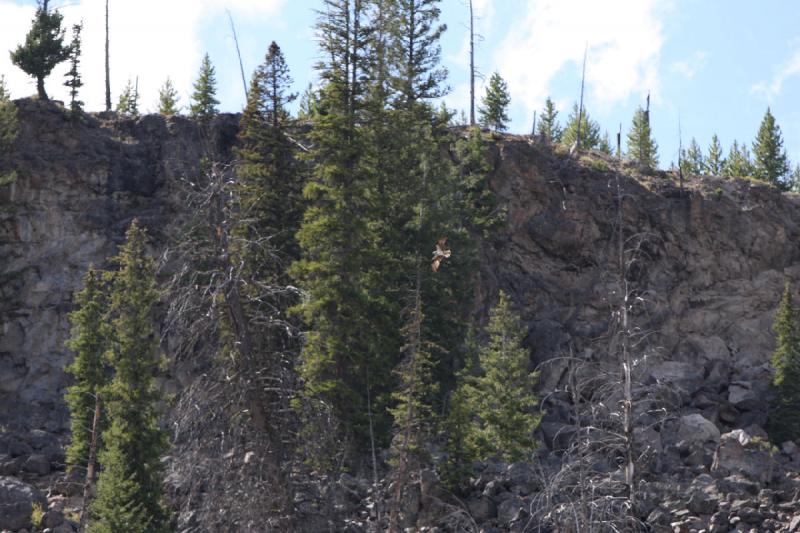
[204,101]
[605,144]
[129,488]
[74,81]
[590,130]
[715,162]
[642,148]
[309,104]
[44,47]
[344,343]
[168,99]
[693,160]
[128,104]
[89,342]
[494,111]
[784,417]
[502,396]
[270,192]
[8,118]
[738,163]
[771,163]
[548,128]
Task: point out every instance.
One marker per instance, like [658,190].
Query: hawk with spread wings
[439,254]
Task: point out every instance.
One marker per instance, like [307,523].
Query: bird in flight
[439,254]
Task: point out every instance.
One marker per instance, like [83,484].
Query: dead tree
[471,64]
[596,486]
[108,66]
[226,323]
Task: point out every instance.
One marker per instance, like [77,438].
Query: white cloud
[624,39]
[689,67]
[151,39]
[769,90]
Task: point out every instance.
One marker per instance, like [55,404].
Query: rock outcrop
[714,258]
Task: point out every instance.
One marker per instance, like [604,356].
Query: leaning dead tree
[596,488]
[233,425]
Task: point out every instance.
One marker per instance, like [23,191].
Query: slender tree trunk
[108,67]
[40,88]
[89,482]
[471,65]
[580,108]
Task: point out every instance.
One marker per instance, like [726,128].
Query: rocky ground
[714,260]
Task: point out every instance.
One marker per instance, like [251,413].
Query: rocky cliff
[712,262]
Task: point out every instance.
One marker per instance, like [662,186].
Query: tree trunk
[40,88]
[471,65]
[87,485]
[108,67]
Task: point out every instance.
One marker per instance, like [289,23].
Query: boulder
[687,377]
[522,477]
[742,396]
[741,453]
[16,503]
[482,508]
[37,464]
[509,510]
[695,428]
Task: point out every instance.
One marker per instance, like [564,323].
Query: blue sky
[717,64]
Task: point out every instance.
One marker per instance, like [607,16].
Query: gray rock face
[79,185]
[741,453]
[696,428]
[16,503]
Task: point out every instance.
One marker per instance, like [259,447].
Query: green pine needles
[168,99]
[500,398]
[642,148]
[494,112]
[771,163]
[204,99]
[117,330]
[89,342]
[43,48]
[784,418]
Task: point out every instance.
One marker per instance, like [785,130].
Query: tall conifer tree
[784,417]
[44,46]
[693,160]
[168,99]
[715,161]
[74,81]
[771,163]
[590,130]
[89,342]
[548,127]
[204,98]
[738,163]
[641,145]
[494,111]
[129,488]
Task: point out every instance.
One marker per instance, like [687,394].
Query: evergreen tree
[74,81]
[8,118]
[548,128]
[605,144]
[794,179]
[784,418]
[204,102]
[414,51]
[642,148]
[715,162]
[270,188]
[494,111]
[738,163]
[129,488]
[344,343]
[590,130]
[309,104]
[771,163]
[168,99]
[128,103]
[693,160]
[502,396]
[44,47]
[89,342]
